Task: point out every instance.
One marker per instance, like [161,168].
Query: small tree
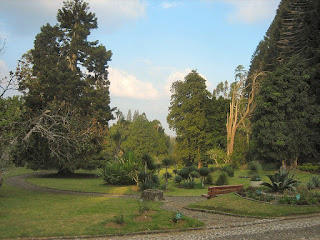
[204,172]
[166,162]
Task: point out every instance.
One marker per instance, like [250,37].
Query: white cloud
[167,5]
[123,84]
[21,16]
[251,11]
[3,69]
[176,76]
[173,77]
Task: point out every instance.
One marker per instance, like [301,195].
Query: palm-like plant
[281,180]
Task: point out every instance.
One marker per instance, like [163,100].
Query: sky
[153,42]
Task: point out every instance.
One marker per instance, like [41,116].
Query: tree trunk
[152,195]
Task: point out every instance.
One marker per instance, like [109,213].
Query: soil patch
[143,218]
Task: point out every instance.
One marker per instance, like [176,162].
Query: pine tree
[68,78]
[188,117]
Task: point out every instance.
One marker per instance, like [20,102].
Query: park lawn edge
[232,204]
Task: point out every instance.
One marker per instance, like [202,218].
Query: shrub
[209,179]
[222,179]
[189,185]
[184,173]
[119,219]
[315,180]
[194,174]
[148,180]
[309,167]
[178,179]
[143,207]
[254,167]
[122,172]
[228,169]
[281,180]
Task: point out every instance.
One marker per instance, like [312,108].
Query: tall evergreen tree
[188,117]
[68,77]
[285,116]
[293,36]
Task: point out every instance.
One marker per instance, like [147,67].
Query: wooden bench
[215,190]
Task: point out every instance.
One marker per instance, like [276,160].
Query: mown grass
[32,214]
[230,203]
[96,184]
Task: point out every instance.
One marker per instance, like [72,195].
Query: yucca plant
[281,180]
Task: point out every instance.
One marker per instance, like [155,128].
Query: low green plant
[143,207]
[189,185]
[209,179]
[178,179]
[222,179]
[281,180]
[309,167]
[314,182]
[254,168]
[228,169]
[123,171]
[119,219]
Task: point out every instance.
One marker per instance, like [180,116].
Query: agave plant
[281,180]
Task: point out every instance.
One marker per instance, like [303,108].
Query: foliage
[222,179]
[218,155]
[144,207]
[286,125]
[119,219]
[65,69]
[309,167]
[281,180]
[166,162]
[187,116]
[254,168]
[147,178]
[63,139]
[139,135]
[284,112]
[204,172]
[189,185]
[178,179]
[209,179]
[228,169]
[10,128]
[314,182]
[123,172]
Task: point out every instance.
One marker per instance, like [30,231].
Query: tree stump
[152,195]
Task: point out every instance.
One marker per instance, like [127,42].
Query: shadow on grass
[69,176]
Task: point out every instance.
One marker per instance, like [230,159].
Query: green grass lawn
[31,214]
[231,203]
[96,184]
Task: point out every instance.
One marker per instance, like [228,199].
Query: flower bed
[300,197]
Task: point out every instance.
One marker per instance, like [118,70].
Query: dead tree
[241,106]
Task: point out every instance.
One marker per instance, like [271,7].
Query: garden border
[276,204]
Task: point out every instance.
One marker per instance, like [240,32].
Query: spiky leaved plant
[281,180]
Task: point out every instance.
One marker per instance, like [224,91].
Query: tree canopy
[64,79]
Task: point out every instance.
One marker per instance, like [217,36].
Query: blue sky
[154,42]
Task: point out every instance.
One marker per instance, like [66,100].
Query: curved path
[218,226]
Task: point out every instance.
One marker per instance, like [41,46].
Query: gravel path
[217,226]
